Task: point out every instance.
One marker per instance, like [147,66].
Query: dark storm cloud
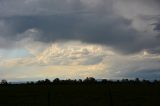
[157,23]
[89,21]
[157,27]
[67,27]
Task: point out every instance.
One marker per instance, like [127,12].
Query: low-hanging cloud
[120,24]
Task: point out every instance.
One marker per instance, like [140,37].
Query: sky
[72,39]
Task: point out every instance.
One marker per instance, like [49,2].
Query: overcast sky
[110,39]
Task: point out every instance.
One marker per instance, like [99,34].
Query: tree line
[88,80]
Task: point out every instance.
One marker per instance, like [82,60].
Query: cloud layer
[78,60]
[126,25]
[81,33]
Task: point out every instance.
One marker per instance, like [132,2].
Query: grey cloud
[67,27]
[88,21]
[157,27]
[157,23]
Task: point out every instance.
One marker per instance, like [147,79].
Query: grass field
[80,95]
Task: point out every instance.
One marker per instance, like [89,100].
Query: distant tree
[125,80]
[104,81]
[80,81]
[145,81]
[137,80]
[4,81]
[47,81]
[39,82]
[56,80]
[89,80]
[32,83]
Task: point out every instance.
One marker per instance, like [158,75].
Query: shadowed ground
[114,94]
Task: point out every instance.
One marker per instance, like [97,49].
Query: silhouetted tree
[125,80]
[104,81]
[80,81]
[47,81]
[137,80]
[89,80]
[4,81]
[56,81]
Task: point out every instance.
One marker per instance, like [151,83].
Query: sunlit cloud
[75,59]
[79,38]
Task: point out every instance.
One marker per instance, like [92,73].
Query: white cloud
[70,58]
[78,60]
[70,53]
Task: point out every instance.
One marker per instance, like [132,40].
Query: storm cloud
[113,23]
[79,38]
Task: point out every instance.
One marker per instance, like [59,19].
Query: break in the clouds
[125,28]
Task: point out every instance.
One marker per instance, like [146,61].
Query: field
[80,95]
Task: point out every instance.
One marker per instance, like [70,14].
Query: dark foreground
[91,94]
